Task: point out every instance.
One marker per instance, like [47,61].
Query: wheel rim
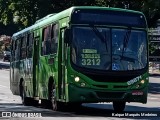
[53,98]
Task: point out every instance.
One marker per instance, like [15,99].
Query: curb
[154,74]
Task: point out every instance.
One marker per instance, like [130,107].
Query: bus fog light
[137,86]
[83,84]
[76,79]
[142,81]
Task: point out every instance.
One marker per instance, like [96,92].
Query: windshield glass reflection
[130,54]
[92,46]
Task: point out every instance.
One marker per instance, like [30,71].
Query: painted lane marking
[3,86]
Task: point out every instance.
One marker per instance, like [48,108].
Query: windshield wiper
[99,35]
[126,40]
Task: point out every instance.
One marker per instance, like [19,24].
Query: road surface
[10,103]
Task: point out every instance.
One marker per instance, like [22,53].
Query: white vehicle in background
[6,55]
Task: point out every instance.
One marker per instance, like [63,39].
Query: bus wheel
[25,100]
[55,104]
[119,106]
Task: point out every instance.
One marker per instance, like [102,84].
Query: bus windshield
[109,48]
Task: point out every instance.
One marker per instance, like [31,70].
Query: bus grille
[105,78]
[112,95]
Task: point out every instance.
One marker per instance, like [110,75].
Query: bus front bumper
[88,95]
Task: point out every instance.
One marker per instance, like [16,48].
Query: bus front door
[61,72]
[35,67]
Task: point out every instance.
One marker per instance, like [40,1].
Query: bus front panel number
[90,62]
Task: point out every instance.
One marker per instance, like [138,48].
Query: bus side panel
[12,73]
[15,78]
[28,76]
[48,61]
[15,75]
[44,70]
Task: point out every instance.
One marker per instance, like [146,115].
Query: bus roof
[56,16]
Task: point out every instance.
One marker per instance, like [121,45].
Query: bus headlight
[140,84]
[76,79]
[142,81]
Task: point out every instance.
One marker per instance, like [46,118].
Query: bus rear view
[108,58]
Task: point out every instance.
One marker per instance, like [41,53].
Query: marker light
[137,86]
[83,84]
[76,79]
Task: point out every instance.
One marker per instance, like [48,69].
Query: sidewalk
[154,68]
[154,72]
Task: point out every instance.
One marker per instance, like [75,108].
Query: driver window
[46,41]
[54,38]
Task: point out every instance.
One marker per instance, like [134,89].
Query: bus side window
[29,45]
[17,49]
[23,48]
[46,41]
[54,39]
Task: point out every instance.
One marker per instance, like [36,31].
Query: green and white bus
[85,54]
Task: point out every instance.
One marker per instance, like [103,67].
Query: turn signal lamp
[83,84]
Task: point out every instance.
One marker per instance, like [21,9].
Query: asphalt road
[4,65]
[10,103]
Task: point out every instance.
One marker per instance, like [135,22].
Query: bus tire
[25,100]
[119,106]
[56,105]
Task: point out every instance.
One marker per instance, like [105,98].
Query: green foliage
[153,47]
[26,12]
[101,3]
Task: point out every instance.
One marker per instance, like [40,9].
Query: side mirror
[66,35]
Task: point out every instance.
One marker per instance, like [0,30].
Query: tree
[17,15]
[25,12]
